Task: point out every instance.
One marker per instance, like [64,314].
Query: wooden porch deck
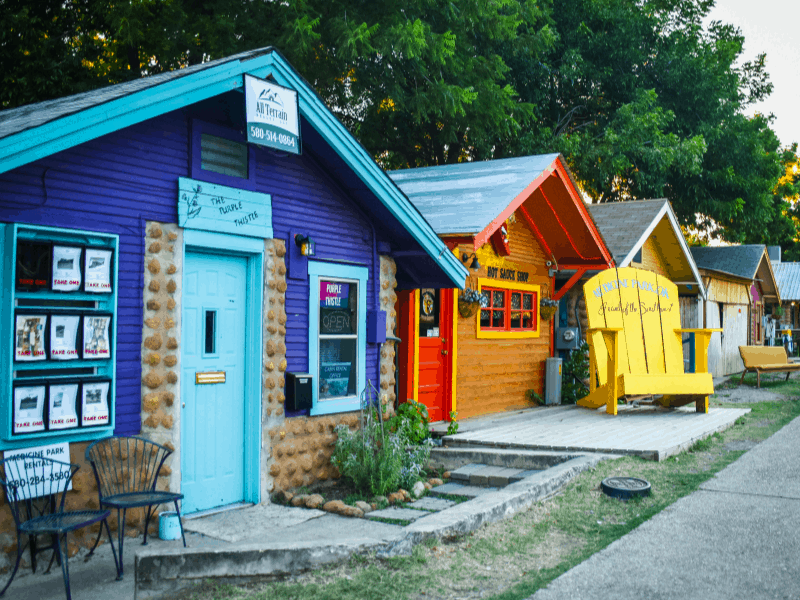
[651,433]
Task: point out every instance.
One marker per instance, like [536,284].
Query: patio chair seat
[127,469]
[139,499]
[63,522]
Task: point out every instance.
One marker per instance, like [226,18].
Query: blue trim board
[317,270]
[254,249]
[33,144]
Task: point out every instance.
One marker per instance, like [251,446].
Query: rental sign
[273,118]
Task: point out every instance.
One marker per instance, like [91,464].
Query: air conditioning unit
[567,338]
[552,380]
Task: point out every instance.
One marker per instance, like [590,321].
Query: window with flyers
[508,310]
[60,310]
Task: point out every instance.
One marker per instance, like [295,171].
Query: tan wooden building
[741,286]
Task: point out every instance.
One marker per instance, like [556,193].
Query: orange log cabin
[514,223]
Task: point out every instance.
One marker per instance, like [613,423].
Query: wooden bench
[635,342]
[766,359]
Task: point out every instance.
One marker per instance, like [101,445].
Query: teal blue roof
[32,132]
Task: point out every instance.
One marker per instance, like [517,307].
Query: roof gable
[36,131]
[626,226]
[473,199]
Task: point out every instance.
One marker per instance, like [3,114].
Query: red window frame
[507,311]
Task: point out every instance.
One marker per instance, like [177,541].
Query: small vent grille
[223,156]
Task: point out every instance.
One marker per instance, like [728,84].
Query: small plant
[778,311]
[452,428]
[575,371]
[470,296]
[414,417]
[534,398]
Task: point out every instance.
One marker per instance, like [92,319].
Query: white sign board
[273,118]
[41,480]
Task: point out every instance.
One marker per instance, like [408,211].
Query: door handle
[444,340]
[444,351]
[184,405]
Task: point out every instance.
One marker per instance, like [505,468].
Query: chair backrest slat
[35,486]
[126,464]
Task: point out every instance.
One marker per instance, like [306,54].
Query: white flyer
[96,341]
[66,268]
[94,403]
[97,270]
[29,408]
[42,480]
[63,406]
[64,337]
[29,337]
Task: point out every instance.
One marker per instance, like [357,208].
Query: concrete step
[457,489]
[486,475]
[452,459]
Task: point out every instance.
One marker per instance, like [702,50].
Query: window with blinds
[223,156]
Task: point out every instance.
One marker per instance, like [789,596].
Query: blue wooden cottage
[214,277]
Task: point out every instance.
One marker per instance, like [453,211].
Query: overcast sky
[771,26]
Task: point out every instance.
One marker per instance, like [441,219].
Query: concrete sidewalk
[737,537]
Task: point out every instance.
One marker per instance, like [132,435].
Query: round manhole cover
[625,487]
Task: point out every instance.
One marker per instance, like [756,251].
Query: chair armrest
[696,330]
[602,329]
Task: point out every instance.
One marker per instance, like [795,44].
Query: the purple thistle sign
[333,294]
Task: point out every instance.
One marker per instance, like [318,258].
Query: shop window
[508,310]
[337,335]
[429,313]
[60,309]
[221,155]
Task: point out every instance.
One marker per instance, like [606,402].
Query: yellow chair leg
[701,405]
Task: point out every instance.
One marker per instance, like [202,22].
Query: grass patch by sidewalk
[512,559]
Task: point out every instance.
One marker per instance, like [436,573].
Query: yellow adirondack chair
[635,342]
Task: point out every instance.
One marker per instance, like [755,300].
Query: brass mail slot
[209,377]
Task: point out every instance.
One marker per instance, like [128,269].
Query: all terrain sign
[273,118]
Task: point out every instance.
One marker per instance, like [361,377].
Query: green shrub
[413,416]
[575,370]
[376,462]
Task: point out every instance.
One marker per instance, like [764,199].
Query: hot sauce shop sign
[272,116]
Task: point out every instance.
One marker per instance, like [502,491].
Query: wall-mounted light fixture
[474,265]
[307,246]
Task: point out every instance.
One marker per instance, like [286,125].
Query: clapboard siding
[118,182]
[493,375]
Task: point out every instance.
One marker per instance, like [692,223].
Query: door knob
[184,405]
[444,351]
[444,340]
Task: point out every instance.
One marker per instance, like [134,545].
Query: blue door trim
[316,270]
[220,243]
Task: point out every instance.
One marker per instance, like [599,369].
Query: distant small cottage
[741,286]
[787,274]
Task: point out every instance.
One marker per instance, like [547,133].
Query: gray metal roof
[467,197]
[623,223]
[787,274]
[742,261]
[33,115]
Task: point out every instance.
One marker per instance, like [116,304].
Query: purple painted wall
[116,183]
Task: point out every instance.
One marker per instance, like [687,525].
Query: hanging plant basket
[467,309]
[547,308]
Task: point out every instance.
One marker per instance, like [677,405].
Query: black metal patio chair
[127,470]
[35,489]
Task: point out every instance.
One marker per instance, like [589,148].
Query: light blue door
[212,418]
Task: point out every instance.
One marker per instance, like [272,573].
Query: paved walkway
[738,537]
[646,431]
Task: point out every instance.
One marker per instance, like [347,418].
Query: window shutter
[223,156]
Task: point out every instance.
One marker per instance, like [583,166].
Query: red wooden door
[434,321]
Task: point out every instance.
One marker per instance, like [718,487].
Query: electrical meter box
[567,338]
[298,391]
[552,381]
